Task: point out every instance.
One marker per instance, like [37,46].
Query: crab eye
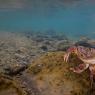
[72,49]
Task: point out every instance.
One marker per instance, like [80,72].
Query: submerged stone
[10,87]
[53,76]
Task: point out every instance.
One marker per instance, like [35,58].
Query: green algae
[51,72]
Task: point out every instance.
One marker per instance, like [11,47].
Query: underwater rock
[92,42]
[63,45]
[15,69]
[85,44]
[44,48]
[26,81]
[53,76]
[10,87]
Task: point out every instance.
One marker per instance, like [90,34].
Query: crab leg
[80,68]
[66,57]
[92,73]
[91,78]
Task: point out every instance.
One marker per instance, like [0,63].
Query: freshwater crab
[86,55]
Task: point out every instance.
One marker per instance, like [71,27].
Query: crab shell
[87,55]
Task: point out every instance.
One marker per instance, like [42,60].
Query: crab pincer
[66,57]
[69,51]
[80,68]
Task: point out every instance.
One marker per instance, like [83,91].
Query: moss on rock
[53,76]
[10,87]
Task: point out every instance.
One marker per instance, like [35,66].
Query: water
[74,20]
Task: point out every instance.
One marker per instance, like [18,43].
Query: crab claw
[66,57]
[69,51]
[80,68]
